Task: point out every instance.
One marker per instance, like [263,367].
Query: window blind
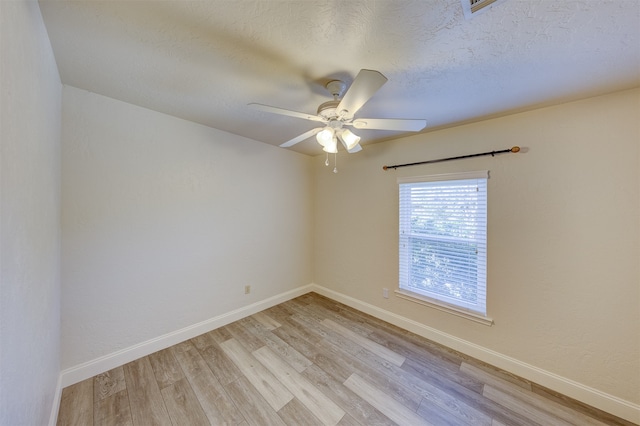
[443,238]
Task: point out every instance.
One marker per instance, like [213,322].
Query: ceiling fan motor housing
[328,109]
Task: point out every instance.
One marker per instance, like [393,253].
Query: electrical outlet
[385,293]
[247,289]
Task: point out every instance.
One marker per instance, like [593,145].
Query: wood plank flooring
[313,361]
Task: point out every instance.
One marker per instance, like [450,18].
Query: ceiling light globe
[325,136]
[331,146]
[350,139]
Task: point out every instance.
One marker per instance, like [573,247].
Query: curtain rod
[491,153]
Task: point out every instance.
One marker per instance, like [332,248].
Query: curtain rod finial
[515,149]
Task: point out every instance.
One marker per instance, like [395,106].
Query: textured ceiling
[204,61]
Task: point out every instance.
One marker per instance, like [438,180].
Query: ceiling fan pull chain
[326,162]
[335,162]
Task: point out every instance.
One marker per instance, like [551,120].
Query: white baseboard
[91,368]
[53,417]
[601,400]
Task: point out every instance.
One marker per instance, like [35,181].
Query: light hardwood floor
[313,361]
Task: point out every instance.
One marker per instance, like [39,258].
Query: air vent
[474,7]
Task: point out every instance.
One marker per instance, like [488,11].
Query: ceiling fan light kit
[339,112]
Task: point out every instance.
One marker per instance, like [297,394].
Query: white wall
[29,217]
[165,221]
[563,236]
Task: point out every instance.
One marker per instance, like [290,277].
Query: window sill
[416,298]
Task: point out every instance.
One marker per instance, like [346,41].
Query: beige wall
[165,221]
[563,236]
[29,217]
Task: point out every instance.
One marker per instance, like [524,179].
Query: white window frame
[473,311]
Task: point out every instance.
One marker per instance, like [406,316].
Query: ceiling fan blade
[355,149]
[365,85]
[302,137]
[390,124]
[288,112]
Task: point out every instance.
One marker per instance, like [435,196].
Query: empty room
[299,212]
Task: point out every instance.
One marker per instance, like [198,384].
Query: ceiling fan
[338,114]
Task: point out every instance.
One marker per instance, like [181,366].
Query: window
[443,242]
